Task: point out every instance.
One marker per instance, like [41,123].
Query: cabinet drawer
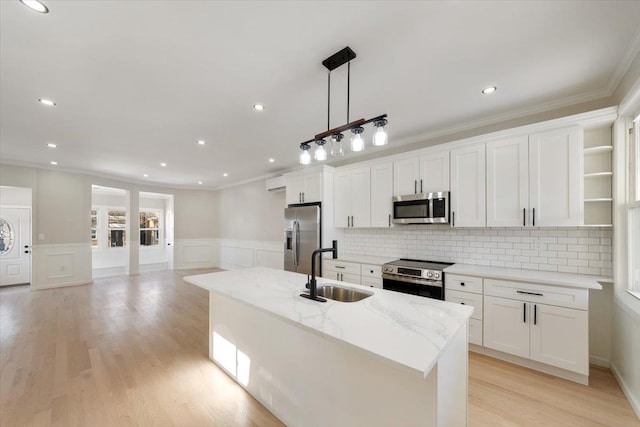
[341,266]
[545,294]
[371,282]
[370,270]
[466,298]
[475,331]
[349,278]
[463,283]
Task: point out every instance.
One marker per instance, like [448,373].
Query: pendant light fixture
[335,135]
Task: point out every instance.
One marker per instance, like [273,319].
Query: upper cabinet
[421,174]
[381,194]
[353,198]
[535,180]
[555,177]
[467,201]
[304,188]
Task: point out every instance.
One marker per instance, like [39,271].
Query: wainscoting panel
[196,253]
[61,265]
[236,254]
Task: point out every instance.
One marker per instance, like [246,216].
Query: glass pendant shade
[357,143]
[320,154]
[305,157]
[380,136]
[337,148]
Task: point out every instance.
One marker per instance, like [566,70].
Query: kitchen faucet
[313,289]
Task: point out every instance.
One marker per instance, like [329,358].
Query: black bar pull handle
[453,219]
[415,186]
[524,313]
[524,217]
[535,314]
[421,186]
[534,217]
[530,293]
[389,220]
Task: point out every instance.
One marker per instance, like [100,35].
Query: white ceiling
[138,82]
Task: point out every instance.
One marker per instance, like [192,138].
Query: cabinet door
[312,191]
[342,199]
[556,177]
[434,172]
[406,174]
[468,186]
[381,194]
[560,337]
[294,189]
[506,325]
[508,182]
[361,197]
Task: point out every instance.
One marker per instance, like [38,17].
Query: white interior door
[15,246]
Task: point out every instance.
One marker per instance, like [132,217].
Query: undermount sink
[341,294]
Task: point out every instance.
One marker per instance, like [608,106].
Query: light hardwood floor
[133,351]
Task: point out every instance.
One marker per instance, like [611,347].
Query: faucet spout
[313,288]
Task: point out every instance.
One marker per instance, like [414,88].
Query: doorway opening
[156,231]
[110,238]
[15,236]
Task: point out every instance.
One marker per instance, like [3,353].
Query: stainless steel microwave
[421,208]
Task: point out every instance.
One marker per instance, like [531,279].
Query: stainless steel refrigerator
[301,237]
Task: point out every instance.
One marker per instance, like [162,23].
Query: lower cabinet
[467,290]
[556,336]
[353,272]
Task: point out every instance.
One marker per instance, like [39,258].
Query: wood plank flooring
[132,351]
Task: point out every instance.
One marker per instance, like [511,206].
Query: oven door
[431,289]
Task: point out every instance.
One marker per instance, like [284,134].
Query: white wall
[15,196]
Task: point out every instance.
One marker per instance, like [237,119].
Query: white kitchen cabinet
[434,172]
[422,174]
[506,326]
[353,272]
[556,165]
[467,290]
[381,194]
[353,198]
[406,173]
[468,174]
[560,337]
[304,188]
[508,182]
[556,336]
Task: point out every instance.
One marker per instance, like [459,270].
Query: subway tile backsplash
[564,249]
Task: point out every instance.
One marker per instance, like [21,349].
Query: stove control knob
[437,275]
[386,269]
[429,274]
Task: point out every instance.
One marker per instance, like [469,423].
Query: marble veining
[404,329]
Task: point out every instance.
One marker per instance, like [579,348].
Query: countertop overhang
[404,329]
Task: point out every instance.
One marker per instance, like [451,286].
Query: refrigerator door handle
[294,236]
[297,243]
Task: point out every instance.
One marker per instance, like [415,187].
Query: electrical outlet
[62,268]
[40,236]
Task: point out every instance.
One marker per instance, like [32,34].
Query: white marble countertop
[365,259]
[408,330]
[569,280]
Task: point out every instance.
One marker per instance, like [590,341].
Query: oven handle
[415,281]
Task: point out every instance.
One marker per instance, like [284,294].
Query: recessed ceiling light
[163,164]
[53,163]
[225,174]
[47,102]
[271,160]
[52,145]
[146,175]
[489,90]
[258,107]
[202,142]
[199,182]
[35,5]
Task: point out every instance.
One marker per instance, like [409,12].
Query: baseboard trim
[635,404]
[599,361]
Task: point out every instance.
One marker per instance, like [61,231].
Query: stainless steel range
[416,277]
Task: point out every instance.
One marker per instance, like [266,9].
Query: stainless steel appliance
[422,208]
[302,225]
[416,277]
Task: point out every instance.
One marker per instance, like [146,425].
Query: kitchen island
[389,359]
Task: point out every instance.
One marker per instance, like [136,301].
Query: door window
[6,236]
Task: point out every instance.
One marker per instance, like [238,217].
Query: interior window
[117,225]
[149,228]
[634,213]
[94,228]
